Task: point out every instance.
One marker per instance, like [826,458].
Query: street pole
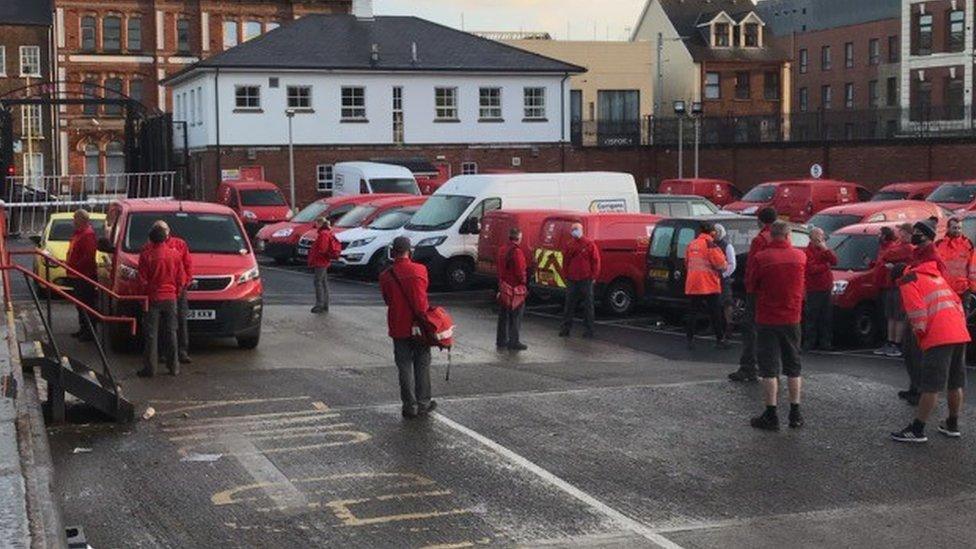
[291,157]
[660,75]
[681,147]
[697,141]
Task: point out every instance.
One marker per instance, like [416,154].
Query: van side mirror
[105,246]
[471,226]
[36,239]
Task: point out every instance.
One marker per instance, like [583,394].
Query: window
[894,44]
[30,121]
[300,97]
[923,45]
[252,29]
[923,101]
[849,55]
[3,61]
[247,97]
[535,103]
[874,51]
[88,33]
[199,112]
[188,116]
[804,99]
[271,25]
[956,37]
[891,93]
[752,35]
[113,90]
[90,91]
[324,177]
[469,168]
[742,85]
[133,34]
[953,98]
[721,35]
[804,61]
[353,103]
[135,90]
[230,34]
[112,34]
[826,97]
[114,163]
[825,61]
[490,104]
[873,97]
[179,114]
[91,165]
[771,86]
[619,111]
[713,85]
[849,95]
[183,36]
[398,135]
[30,61]
[445,104]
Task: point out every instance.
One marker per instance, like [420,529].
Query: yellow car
[55,240]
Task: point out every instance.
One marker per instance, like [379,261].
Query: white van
[444,232]
[352,178]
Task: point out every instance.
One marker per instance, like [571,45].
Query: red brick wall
[11,38]
[728,104]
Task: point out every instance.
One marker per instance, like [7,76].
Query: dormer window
[751,35]
[721,31]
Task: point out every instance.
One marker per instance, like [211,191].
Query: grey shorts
[778,350]
[943,367]
[893,308]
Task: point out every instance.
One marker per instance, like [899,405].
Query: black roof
[339,41]
[25,12]
[686,15]
[789,16]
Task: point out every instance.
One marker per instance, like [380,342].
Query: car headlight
[750,210]
[248,214]
[289,214]
[432,242]
[248,276]
[840,286]
[128,272]
[283,233]
[361,242]
[961,211]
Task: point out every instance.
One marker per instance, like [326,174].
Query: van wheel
[620,298]
[867,325]
[459,273]
[249,342]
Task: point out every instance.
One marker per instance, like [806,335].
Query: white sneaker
[882,350]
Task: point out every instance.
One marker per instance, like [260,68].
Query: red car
[914,190]
[622,239]
[719,191]
[226,295]
[257,203]
[495,226]
[902,211]
[279,241]
[361,215]
[957,197]
[797,201]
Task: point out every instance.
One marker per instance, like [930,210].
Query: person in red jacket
[81,257]
[778,275]
[956,251]
[897,253]
[512,270]
[325,250]
[582,266]
[161,274]
[818,327]
[704,264]
[404,287]
[182,299]
[747,362]
[939,325]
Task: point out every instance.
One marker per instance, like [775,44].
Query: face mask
[577,233]
[918,239]
[955,231]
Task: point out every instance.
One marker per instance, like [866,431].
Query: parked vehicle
[754,200]
[797,201]
[54,240]
[495,227]
[362,215]
[445,230]
[665,287]
[914,190]
[429,176]
[279,241]
[622,240]
[372,178]
[364,249]
[257,203]
[957,197]
[676,205]
[226,294]
[839,217]
[718,191]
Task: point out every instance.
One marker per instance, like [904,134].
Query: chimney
[362,9]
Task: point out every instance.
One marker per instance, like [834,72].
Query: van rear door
[666,259]
[549,258]
[793,200]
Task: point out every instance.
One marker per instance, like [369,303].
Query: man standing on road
[959,257]
[81,257]
[704,263]
[722,239]
[939,325]
[182,300]
[778,276]
[747,362]
[325,250]
[404,287]
[818,314]
[161,273]
[897,253]
[582,261]
[513,271]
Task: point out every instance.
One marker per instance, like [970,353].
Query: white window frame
[36,121]
[30,51]
[490,103]
[298,97]
[446,104]
[26,162]
[717,86]
[324,177]
[469,168]
[352,108]
[193,107]
[534,110]
[247,97]
[3,61]
[253,24]
[237,33]
[199,113]
[179,107]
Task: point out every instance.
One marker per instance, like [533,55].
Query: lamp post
[696,114]
[290,113]
[679,111]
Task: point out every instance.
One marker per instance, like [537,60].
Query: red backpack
[433,327]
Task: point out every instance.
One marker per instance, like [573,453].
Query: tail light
[11,170]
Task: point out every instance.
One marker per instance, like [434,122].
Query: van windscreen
[62,229]
[439,212]
[259,197]
[398,185]
[855,252]
[955,194]
[762,193]
[889,195]
[203,233]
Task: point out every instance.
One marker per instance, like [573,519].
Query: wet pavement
[628,440]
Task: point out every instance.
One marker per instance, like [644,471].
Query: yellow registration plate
[660,274]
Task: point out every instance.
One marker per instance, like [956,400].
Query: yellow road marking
[219,421]
[229,497]
[256,422]
[269,433]
[355,437]
[204,404]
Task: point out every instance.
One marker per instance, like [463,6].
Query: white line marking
[616,516]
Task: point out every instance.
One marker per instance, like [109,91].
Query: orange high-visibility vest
[704,263]
[960,261]
[932,307]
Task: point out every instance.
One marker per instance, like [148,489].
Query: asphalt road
[627,440]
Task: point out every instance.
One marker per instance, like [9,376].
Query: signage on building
[230,175]
[816,171]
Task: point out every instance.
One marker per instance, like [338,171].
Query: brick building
[25,59]
[129,46]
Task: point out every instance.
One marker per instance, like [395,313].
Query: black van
[665,286]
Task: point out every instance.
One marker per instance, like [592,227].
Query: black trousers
[85,292]
[818,320]
[183,333]
[509,326]
[747,362]
[709,306]
[579,292]
[413,365]
[160,319]
[913,360]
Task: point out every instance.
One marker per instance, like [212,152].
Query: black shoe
[186,360]
[145,373]
[501,347]
[905,395]
[564,332]
[723,345]
[765,422]
[174,371]
[519,347]
[741,375]
[424,410]
[951,433]
[796,420]
[410,413]
[316,310]
[908,435]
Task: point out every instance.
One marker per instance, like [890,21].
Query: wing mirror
[105,246]
[36,239]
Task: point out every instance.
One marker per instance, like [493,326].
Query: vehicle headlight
[750,210]
[432,242]
[840,286]
[248,276]
[961,211]
[248,214]
[361,242]
[289,214]
[283,233]
[128,272]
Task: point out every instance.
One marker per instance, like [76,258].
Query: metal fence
[30,200]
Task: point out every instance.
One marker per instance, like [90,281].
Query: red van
[719,191]
[956,197]
[279,241]
[622,238]
[901,211]
[257,203]
[756,199]
[360,215]
[797,201]
[913,190]
[495,226]
[226,295]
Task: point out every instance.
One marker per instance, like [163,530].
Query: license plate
[302,251]
[660,274]
[201,314]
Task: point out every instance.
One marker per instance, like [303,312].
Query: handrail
[72,270]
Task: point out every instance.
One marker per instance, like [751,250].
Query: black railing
[611,133]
